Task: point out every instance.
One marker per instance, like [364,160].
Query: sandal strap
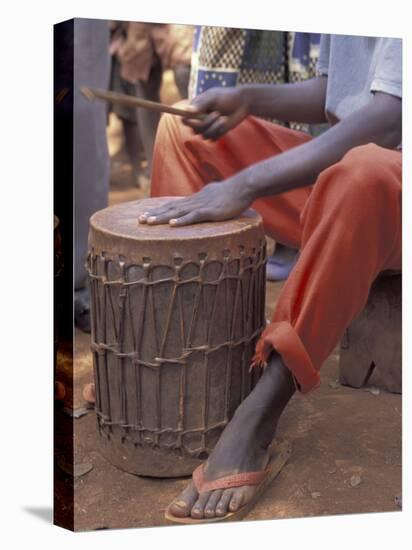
[226,482]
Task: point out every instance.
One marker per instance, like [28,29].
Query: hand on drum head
[215,202]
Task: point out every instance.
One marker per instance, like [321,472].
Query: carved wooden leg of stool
[371,350]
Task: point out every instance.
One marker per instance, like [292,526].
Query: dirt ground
[346,442]
[346,457]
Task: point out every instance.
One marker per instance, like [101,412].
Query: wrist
[259,99]
[245,184]
[264,178]
[245,94]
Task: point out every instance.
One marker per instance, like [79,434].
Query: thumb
[192,109]
[203,103]
[236,118]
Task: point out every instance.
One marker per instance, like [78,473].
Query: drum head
[122,219]
[117,230]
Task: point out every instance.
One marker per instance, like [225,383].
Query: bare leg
[149,120]
[133,146]
[243,446]
[182,75]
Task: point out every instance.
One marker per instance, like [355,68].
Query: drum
[175,313]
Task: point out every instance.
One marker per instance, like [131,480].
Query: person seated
[335,197]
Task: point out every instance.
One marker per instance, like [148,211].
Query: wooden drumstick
[131,101]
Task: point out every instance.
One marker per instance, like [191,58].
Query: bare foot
[89,393]
[242,447]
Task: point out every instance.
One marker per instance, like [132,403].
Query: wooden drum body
[176,313]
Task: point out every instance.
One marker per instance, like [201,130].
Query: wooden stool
[371,349]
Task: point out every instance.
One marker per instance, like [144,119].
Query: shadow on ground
[43,513]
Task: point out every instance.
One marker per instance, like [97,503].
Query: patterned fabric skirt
[231,57]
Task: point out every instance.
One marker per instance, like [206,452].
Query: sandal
[280,451]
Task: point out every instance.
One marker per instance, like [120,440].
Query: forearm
[378,122]
[298,102]
[302,165]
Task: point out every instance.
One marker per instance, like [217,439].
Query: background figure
[230,57]
[126,115]
[141,52]
[91,157]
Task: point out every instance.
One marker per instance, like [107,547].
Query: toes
[222,505]
[199,506]
[248,492]
[182,505]
[237,500]
[210,504]
[210,508]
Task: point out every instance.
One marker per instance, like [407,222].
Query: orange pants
[347,226]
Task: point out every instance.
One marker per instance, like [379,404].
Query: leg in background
[149,120]
[91,157]
[281,263]
[182,75]
[133,146]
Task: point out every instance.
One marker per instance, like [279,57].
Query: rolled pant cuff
[282,337]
